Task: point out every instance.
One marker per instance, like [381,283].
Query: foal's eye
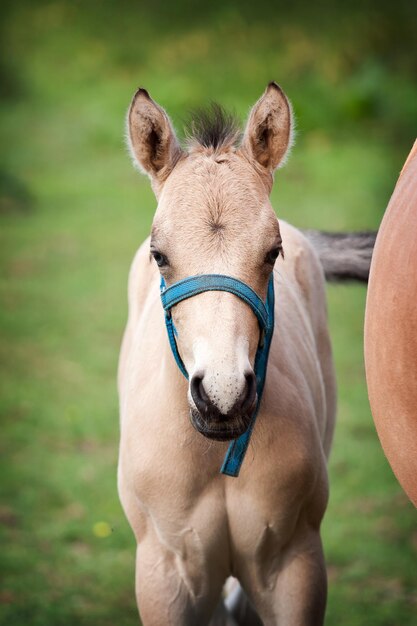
[273,254]
[160,259]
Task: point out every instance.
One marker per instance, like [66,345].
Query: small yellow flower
[102,529]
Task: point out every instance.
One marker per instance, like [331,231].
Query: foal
[194,526]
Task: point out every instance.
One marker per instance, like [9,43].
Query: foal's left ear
[152,140]
[268,134]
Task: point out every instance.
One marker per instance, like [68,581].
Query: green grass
[72,213]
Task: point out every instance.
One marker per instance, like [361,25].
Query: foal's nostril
[198,393]
[247,399]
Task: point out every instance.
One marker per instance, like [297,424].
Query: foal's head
[214,216]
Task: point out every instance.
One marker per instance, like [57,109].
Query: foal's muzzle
[238,427]
[210,422]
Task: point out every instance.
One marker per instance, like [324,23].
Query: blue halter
[194,285]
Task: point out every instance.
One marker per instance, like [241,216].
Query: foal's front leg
[294,595]
[170,592]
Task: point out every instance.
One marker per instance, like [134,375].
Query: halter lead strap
[194,285]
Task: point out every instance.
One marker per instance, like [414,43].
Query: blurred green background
[72,213]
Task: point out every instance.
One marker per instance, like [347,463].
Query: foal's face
[214,217]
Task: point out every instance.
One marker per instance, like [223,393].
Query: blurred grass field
[72,213]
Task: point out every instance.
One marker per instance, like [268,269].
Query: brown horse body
[391,330]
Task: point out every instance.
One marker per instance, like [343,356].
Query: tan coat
[195,527]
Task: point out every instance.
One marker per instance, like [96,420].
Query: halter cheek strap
[194,285]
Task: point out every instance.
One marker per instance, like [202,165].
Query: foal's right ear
[152,141]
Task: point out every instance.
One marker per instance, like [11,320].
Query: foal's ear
[268,134]
[152,141]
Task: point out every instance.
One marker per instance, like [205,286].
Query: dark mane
[212,127]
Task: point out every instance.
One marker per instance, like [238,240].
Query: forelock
[212,127]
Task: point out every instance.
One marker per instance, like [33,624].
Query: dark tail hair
[344,256]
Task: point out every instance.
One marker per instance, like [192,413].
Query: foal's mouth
[225,430]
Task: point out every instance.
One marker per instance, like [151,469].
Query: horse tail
[344,256]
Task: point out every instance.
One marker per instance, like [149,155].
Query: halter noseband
[192,286]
